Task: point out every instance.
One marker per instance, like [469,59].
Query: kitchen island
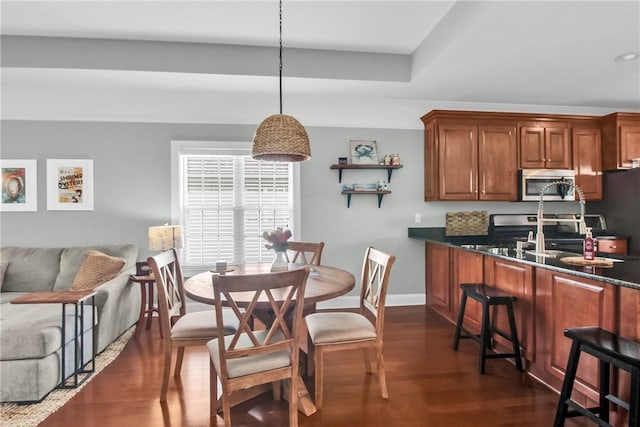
[552,296]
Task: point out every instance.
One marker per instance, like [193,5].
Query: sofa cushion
[96,269]
[3,269]
[73,257]
[29,331]
[30,269]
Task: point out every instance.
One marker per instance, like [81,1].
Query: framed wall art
[69,185]
[19,185]
[363,152]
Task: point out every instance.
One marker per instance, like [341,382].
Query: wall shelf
[389,169]
[379,193]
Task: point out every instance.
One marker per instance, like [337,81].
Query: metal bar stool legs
[488,297]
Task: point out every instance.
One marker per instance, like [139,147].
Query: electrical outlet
[417,218]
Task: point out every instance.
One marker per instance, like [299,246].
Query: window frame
[187,147]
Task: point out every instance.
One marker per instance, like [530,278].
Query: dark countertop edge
[437,235]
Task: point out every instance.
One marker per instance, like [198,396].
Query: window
[226,199]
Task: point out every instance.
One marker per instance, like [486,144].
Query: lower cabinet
[437,278]
[468,267]
[566,301]
[515,279]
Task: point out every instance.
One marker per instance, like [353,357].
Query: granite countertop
[624,272]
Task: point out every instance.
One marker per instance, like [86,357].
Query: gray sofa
[30,334]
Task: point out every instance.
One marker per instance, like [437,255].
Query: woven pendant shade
[281,138]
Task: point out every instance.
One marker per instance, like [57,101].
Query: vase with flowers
[278,241]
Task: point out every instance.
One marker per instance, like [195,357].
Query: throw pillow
[96,269]
[3,270]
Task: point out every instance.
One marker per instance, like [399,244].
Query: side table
[77,299]
[147,307]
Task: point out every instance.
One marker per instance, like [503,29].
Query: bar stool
[610,349]
[487,297]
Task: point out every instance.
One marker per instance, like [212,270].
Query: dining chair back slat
[306,253]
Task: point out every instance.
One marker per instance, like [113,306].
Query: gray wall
[132,191]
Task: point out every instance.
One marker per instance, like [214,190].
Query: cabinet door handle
[613,246]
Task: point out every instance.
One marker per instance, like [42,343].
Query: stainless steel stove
[508,228]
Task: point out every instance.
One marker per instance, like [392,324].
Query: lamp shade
[165,237]
[281,138]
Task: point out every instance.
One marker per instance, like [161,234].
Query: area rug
[30,415]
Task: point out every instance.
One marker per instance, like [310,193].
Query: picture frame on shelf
[19,185]
[70,184]
[363,152]
[342,160]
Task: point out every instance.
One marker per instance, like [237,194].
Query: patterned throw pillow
[96,269]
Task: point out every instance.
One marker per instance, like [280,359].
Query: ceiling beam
[181,57]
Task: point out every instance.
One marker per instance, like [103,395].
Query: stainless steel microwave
[533,181]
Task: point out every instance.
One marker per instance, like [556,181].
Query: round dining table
[323,283]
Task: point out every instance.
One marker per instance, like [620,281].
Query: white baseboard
[352,301]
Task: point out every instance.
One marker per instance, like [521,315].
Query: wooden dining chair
[306,253]
[179,328]
[249,358]
[338,331]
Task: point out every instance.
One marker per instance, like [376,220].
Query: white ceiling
[346,63]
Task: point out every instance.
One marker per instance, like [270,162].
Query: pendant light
[281,138]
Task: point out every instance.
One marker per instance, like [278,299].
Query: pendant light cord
[280,57]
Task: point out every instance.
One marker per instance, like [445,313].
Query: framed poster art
[69,185]
[363,152]
[19,185]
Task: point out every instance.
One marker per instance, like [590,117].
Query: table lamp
[165,237]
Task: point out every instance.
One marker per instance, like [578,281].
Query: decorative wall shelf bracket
[379,193]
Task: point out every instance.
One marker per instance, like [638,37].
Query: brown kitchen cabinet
[469,157]
[468,267]
[516,279]
[437,278]
[566,301]
[587,161]
[620,140]
[544,145]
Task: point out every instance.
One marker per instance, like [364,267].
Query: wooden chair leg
[213,390]
[226,409]
[165,373]
[382,379]
[179,358]
[319,368]
[277,390]
[310,357]
[293,404]
[367,360]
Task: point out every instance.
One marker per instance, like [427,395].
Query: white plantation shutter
[227,202]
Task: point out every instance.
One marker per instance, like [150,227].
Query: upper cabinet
[544,145]
[620,140]
[469,156]
[587,161]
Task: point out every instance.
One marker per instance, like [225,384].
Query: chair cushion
[327,328]
[252,364]
[202,324]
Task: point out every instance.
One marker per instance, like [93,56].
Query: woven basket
[281,138]
[470,223]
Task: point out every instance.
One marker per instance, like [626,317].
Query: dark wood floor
[429,385]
